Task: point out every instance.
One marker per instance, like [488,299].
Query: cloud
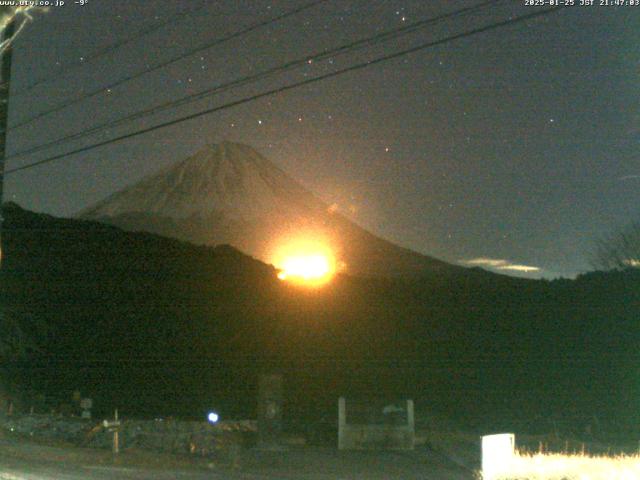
[486,262]
[500,264]
[520,268]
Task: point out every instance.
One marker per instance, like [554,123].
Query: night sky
[515,146]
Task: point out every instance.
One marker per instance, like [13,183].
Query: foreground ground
[21,459]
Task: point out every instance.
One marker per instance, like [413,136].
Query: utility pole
[5,83]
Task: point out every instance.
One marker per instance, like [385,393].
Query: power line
[182,56]
[284,88]
[110,48]
[341,50]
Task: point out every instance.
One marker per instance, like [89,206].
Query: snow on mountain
[230,178]
[229,193]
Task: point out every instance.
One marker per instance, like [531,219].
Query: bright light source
[501,461]
[213,417]
[305,261]
[497,454]
[306,267]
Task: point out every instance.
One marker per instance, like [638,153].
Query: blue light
[212,417]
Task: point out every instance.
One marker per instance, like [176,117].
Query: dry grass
[552,466]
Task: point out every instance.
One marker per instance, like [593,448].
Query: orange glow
[305,261]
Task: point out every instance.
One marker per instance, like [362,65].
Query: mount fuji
[230,194]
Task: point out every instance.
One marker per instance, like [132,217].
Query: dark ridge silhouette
[156,326]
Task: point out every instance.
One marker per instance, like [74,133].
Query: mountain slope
[230,194]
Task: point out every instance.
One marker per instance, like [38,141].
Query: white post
[411,423]
[498,452]
[342,422]
[116,440]
[410,416]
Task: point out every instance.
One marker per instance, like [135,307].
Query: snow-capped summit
[228,178]
[230,194]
